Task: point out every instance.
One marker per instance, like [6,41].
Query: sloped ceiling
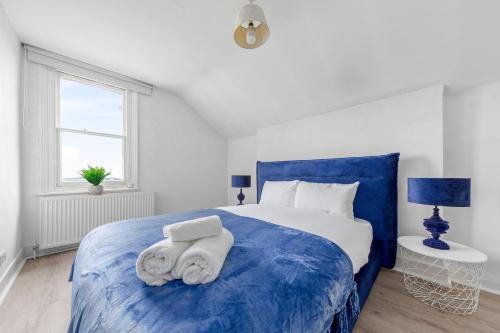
[322,54]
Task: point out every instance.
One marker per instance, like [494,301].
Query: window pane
[80,150]
[92,108]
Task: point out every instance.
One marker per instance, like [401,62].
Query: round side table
[448,280]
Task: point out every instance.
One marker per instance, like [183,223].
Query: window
[78,115]
[91,129]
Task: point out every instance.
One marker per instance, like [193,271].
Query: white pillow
[331,198]
[279,193]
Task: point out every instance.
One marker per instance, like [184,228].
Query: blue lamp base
[240,197]
[436,226]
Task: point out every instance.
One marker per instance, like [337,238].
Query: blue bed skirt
[274,279]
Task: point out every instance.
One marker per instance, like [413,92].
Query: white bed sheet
[354,237]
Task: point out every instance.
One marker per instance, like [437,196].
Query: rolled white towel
[156,280]
[194,229]
[202,262]
[154,264]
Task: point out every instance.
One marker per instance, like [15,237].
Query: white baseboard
[10,275]
[491,283]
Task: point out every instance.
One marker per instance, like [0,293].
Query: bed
[276,278]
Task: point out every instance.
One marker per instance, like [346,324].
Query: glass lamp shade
[251,17]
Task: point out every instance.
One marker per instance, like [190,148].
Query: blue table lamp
[450,192]
[240,181]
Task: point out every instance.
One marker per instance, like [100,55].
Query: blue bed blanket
[275,279]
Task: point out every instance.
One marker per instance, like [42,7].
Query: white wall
[472,149]
[10,225]
[182,159]
[410,123]
[454,136]
[241,158]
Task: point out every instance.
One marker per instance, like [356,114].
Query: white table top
[457,252]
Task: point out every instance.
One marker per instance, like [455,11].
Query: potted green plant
[95,176]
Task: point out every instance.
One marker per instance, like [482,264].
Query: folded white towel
[193,229]
[154,264]
[202,262]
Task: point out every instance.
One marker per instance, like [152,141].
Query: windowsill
[85,191]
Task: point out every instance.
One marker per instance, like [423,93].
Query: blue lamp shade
[451,192]
[240,181]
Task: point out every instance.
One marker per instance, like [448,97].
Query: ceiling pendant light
[251,30]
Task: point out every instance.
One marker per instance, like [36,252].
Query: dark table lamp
[450,192]
[240,182]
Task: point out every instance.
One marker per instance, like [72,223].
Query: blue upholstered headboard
[376,198]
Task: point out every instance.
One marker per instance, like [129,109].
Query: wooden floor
[40,302]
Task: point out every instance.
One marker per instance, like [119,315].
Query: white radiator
[65,220]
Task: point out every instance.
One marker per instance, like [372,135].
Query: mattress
[353,236]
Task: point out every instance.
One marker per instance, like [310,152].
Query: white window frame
[59,129]
[44,72]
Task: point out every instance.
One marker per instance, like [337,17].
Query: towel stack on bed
[193,251]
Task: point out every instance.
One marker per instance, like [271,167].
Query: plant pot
[95,189]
